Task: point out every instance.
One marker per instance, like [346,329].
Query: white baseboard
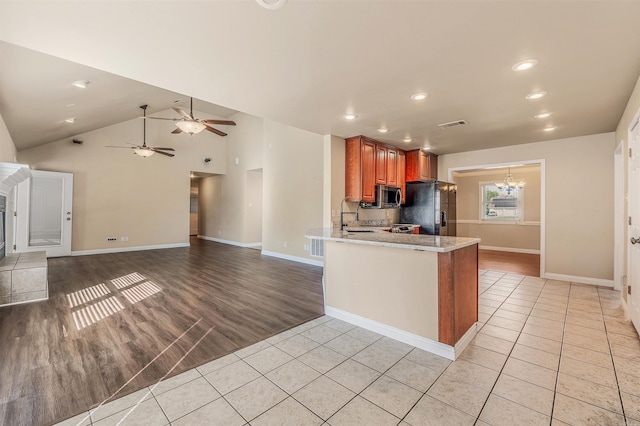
[449,352]
[509,249]
[232,243]
[125,249]
[579,280]
[293,258]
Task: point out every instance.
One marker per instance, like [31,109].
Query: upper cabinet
[402,165]
[370,163]
[360,173]
[421,167]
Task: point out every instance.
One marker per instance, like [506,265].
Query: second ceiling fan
[189,124]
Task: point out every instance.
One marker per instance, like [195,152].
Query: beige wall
[7,147]
[521,236]
[119,194]
[403,297]
[224,204]
[293,188]
[578,201]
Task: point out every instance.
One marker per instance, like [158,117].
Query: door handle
[635,240]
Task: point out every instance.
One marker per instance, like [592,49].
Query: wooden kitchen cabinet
[400,173]
[381,164]
[421,167]
[392,167]
[360,168]
[370,163]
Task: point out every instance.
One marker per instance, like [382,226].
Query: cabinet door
[368,157]
[424,166]
[381,165]
[433,167]
[402,165]
[392,167]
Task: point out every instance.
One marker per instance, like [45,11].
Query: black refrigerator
[432,205]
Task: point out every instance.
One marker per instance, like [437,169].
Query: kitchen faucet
[342,212]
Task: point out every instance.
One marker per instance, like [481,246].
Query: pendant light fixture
[509,184]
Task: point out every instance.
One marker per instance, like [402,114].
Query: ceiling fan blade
[224,122]
[216,131]
[182,113]
[120,146]
[163,153]
[164,149]
[160,118]
[176,131]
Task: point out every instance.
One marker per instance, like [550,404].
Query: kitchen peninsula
[419,289]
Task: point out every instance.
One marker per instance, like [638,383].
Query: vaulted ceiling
[311,62]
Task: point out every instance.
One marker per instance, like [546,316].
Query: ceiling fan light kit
[189,124]
[191,127]
[145,151]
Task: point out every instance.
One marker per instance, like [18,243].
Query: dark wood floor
[213,299]
[517,263]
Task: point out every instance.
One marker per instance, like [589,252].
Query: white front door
[633,245]
[44,215]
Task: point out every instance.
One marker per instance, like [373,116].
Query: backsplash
[366,217]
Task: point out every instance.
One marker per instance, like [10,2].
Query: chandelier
[509,184]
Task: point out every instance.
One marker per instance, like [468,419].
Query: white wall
[578,202]
[7,147]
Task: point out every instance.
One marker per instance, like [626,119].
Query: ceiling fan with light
[144,150]
[189,124]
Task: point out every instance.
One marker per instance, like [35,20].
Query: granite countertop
[387,239]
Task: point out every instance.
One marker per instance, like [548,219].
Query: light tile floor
[547,352]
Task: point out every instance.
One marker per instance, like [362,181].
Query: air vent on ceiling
[452,124]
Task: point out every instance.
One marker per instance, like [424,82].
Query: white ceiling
[311,62]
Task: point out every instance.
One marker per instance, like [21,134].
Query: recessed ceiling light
[419,96]
[407,139]
[426,147]
[349,116]
[549,129]
[535,95]
[272,4]
[81,84]
[524,65]
[70,120]
[383,130]
[543,115]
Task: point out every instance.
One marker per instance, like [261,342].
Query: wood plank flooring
[155,310]
[518,263]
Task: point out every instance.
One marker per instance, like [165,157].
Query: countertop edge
[345,237]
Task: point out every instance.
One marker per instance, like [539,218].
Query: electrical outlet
[285,245]
[306,247]
[112,239]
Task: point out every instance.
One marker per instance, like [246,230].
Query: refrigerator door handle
[443,218]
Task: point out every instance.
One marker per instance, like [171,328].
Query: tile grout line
[613,363]
[564,327]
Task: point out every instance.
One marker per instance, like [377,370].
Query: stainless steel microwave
[387,197]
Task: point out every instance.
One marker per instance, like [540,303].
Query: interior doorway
[194,201]
[193,208]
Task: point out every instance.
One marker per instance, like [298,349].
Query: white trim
[25,301]
[449,352]
[232,243]
[499,222]
[618,216]
[293,258]
[543,196]
[126,249]
[509,249]
[577,279]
